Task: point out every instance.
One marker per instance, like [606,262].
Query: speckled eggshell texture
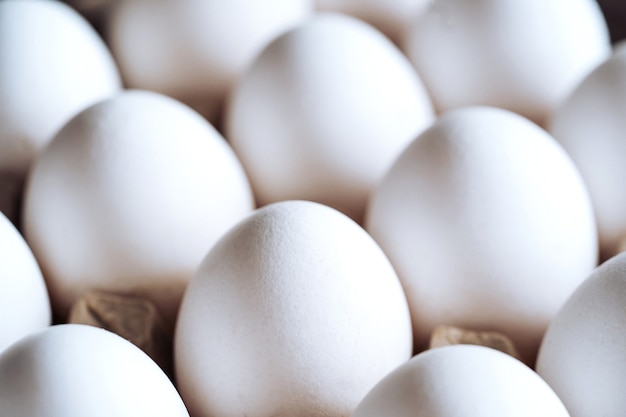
[24,303]
[488,224]
[582,353]
[323,111]
[76,370]
[54,64]
[462,380]
[129,197]
[295,311]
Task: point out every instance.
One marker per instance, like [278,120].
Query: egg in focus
[295,311]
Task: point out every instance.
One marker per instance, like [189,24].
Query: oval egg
[323,111]
[295,311]
[128,197]
[462,380]
[582,353]
[488,224]
[75,370]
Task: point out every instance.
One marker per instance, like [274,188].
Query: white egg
[76,370]
[590,125]
[488,224]
[53,65]
[24,303]
[462,380]
[525,56]
[295,311]
[194,50]
[392,17]
[129,196]
[582,353]
[323,112]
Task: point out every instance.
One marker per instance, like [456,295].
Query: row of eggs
[288,310]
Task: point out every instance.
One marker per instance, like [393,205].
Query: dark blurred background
[615,14]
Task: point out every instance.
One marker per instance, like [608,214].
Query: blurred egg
[525,56]
[590,125]
[24,304]
[129,197]
[295,311]
[488,224]
[582,353]
[462,380]
[75,370]
[194,50]
[53,65]
[323,111]
[392,17]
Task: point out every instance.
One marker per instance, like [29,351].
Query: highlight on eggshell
[128,197]
[590,125]
[323,111]
[488,223]
[53,64]
[194,50]
[295,311]
[24,303]
[74,370]
[525,56]
[462,380]
[582,352]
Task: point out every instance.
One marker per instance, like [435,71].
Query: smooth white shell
[590,125]
[323,112]
[525,56]
[76,370]
[488,224]
[129,197]
[295,311]
[582,353]
[24,303]
[462,380]
[53,66]
[194,50]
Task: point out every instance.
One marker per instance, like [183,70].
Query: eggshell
[194,50]
[295,311]
[129,197]
[392,17]
[75,370]
[53,65]
[582,353]
[323,111]
[24,303]
[525,56]
[590,125]
[462,380]
[488,224]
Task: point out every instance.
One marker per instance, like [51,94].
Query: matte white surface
[525,56]
[24,303]
[194,50]
[323,112]
[130,196]
[488,224]
[590,125]
[77,370]
[295,311]
[460,381]
[53,65]
[582,354]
